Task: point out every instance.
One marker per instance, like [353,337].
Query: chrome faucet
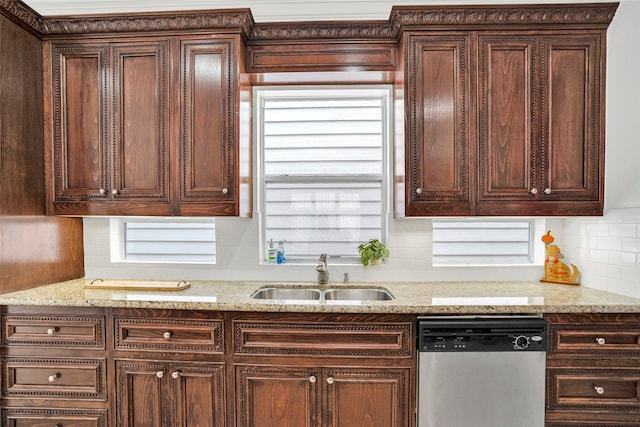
[323,270]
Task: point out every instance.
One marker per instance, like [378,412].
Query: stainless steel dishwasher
[481,371]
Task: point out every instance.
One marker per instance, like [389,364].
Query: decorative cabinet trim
[57,417]
[241,20]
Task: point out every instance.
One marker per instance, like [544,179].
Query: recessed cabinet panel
[507,126]
[79,108]
[437,154]
[140,123]
[207,118]
[276,396]
[571,126]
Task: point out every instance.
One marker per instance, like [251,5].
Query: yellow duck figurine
[556,271]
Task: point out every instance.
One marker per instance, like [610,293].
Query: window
[322,168]
[174,241]
[486,242]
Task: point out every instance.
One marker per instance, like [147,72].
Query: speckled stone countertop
[414,298]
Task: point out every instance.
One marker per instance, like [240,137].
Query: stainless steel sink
[358,294]
[318,294]
[287,294]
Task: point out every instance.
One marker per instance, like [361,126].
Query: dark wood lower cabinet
[275,396]
[593,370]
[23,417]
[155,394]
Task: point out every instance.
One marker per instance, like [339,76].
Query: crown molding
[241,20]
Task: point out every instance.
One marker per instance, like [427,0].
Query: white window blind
[180,242]
[482,242]
[323,173]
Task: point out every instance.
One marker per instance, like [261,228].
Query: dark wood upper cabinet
[209,93]
[131,136]
[437,154]
[539,140]
[110,105]
[539,124]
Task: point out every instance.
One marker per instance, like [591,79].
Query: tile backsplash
[605,249]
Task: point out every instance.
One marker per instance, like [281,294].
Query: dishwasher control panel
[466,334]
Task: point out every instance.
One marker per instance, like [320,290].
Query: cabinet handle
[160,374]
[418,191]
[601,341]
[599,390]
[51,331]
[175,375]
[167,335]
[102,191]
[534,191]
[57,425]
[114,192]
[547,191]
[312,379]
[54,377]
[330,380]
[225,191]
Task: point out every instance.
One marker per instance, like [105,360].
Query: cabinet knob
[599,390]
[418,191]
[312,379]
[114,192]
[160,374]
[225,191]
[534,191]
[601,341]
[547,191]
[175,375]
[51,331]
[54,377]
[167,335]
[102,191]
[330,380]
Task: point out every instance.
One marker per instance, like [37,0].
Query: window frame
[348,91]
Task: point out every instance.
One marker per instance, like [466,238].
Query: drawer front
[379,340]
[588,340]
[58,331]
[54,378]
[52,417]
[169,335]
[597,389]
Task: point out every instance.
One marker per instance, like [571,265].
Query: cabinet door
[572,104]
[140,122]
[508,130]
[276,396]
[141,388]
[79,103]
[437,153]
[197,391]
[371,397]
[208,136]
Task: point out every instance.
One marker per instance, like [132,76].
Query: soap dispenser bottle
[281,257]
[271,253]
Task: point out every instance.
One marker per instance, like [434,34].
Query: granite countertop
[409,297]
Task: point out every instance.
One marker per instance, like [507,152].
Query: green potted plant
[372,252]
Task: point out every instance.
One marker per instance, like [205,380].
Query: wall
[34,249]
[605,248]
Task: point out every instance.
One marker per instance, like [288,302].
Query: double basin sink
[322,294]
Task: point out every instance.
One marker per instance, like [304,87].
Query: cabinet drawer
[58,331]
[52,417]
[365,339]
[169,335]
[54,378]
[606,389]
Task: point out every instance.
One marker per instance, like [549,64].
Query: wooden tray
[138,285]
